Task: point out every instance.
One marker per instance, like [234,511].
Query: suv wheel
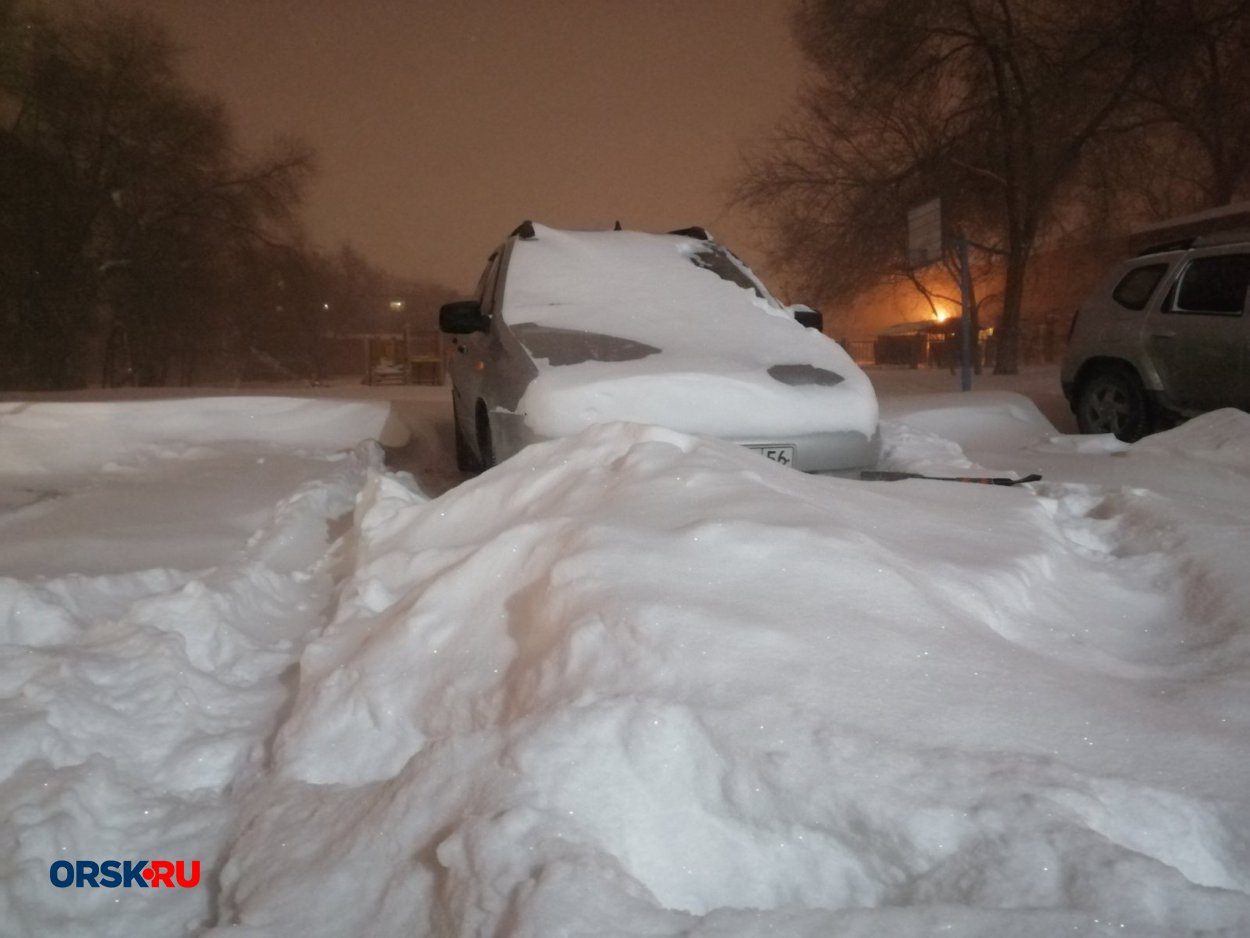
[1112,400]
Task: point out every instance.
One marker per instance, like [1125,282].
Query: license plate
[783,454]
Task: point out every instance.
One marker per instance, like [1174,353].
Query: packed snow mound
[79,436]
[1221,437]
[1003,417]
[134,705]
[702,334]
[635,682]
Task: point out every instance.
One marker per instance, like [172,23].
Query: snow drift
[632,683]
[79,436]
[151,610]
[637,683]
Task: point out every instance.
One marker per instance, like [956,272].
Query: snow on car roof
[716,328]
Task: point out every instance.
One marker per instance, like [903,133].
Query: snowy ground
[632,683]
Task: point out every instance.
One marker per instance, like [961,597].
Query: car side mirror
[462,318]
[811,318]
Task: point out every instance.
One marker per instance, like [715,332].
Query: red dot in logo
[148,873]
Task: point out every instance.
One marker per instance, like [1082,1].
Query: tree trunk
[46,347]
[1007,341]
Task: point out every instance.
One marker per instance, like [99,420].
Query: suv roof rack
[1180,244]
[1230,236]
[694,231]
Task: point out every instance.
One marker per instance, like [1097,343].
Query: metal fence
[1040,343]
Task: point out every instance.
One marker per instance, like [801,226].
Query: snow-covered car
[573,328]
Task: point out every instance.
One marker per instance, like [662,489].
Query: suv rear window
[1214,285]
[1134,290]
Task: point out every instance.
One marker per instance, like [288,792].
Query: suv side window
[1213,286]
[1136,287]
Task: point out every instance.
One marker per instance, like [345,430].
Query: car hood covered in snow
[670,330]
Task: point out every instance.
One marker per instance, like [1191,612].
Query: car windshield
[722,262]
[661,290]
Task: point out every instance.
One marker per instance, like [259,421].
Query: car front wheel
[466,459]
[485,442]
[1113,401]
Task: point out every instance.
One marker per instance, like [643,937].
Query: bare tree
[988,104]
[121,185]
[1188,134]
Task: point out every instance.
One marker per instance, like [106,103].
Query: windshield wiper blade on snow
[878,475]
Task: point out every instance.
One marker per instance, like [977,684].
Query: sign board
[924,234]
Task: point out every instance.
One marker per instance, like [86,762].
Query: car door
[470,352]
[1197,336]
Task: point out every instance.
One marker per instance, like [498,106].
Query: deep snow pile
[153,597]
[83,436]
[638,683]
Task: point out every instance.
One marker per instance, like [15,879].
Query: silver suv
[1165,337]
